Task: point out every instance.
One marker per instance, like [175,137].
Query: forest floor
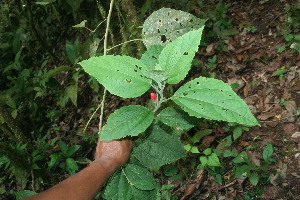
[254,63]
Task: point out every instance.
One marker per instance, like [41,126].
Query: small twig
[96,26]
[87,124]
[124,43]
[104,53]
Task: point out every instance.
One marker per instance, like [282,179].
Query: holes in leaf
[191,20]
[141,76]
[230,95]
[178,31]
[136,66]
[117,70]
[180,24]
[222,90]
[158,31]
[190,87]
[184,94]
[128,80]
[168,13]
[186,53]
[176,19]
[198,83]
[159,20]
[154,57]
[135,70]
[163,38]
[222,102]
[202,108]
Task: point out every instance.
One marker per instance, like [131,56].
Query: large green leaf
[139,177]
[118,187]
[165,25]
[177,56]
[121,75]
[158,147]
[176,118]
[127,121]
[143,194]
[213,99]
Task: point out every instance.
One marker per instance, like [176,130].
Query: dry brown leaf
[253,158]
[280,176]
[266,115]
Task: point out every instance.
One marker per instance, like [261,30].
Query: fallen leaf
[296,135]
[253,158]
[210,48]
[266,115]
[280,176]
[291,106]
[289,128]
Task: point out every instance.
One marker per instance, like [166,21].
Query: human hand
[115,151]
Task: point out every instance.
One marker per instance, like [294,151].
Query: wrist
[106,164]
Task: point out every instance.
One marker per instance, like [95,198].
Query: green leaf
[127,121]
[56,71]
[241,158]
[203,160]
[157,147]
[24,194]
[213,160]
[171,170]
[177,56]
[241,171]
[139,177]
[121,75]
[71,93]
[157,75]
[214,100]
[143,194]
[71,164]
[253,178]
[63,147]
[187,147]
[207,151]
[80,25]
[118,187]
[71,150]
[268,152]
[150,57]
[165,25]
[176,119]
[237,132]
[194,150]
[72,50]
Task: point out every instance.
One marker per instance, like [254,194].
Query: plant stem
[124,43]
[104,53]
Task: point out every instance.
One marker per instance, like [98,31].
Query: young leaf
[213,99]
[71,164]
[213,160]
[267,153]
[158,147]
[241,170]
[121,75]
[24,194]
[177,56]
[176,118]
[118,187]
[253,178]
[139,177]
[127,121]
[237,132]
[165,25]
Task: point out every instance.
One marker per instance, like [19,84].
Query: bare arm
[84,185]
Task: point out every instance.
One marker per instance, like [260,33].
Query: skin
[84,185]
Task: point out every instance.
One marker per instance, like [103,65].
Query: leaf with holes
[176,118]
[213,99]
[139,177]
[121,75]
[159,146]
[150,57]
[165,25]
[127,121]
[177,56]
